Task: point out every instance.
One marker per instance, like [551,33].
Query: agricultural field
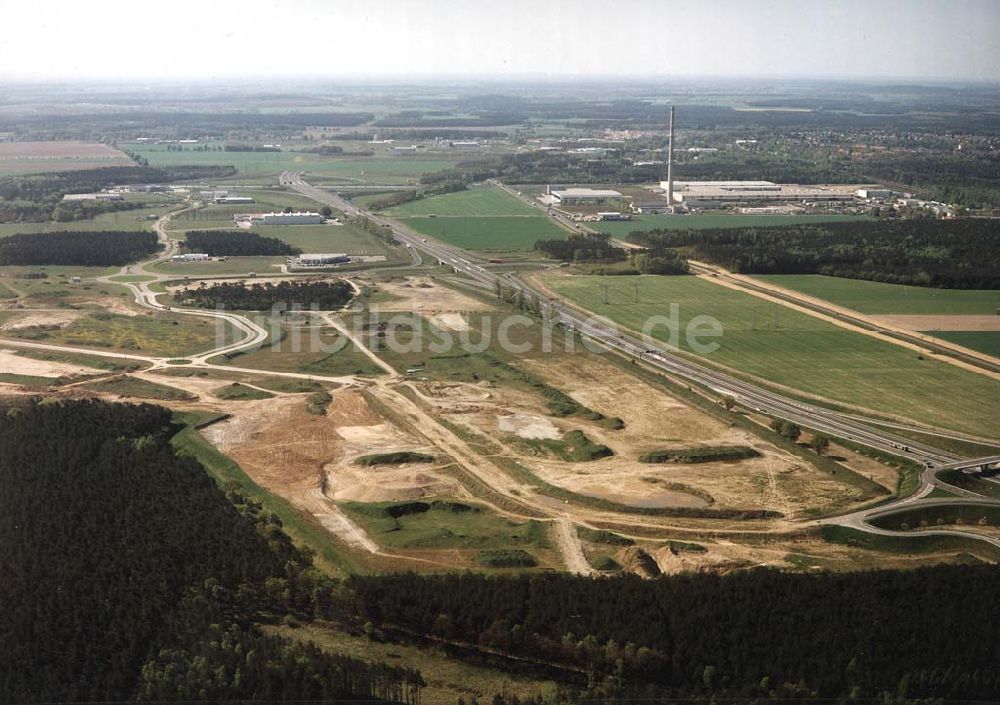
[965,317]
[38,157]
[479,202]
[986,341]
[257,165]
[478,219]
[771,342]
[714,220]
[877,297]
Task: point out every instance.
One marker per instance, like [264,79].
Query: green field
[774,343]
[714,220]
[444,524]
[139,219]
[474,202]
[987,341]
[879,298]
[167,335]
[489,233]
[380,170]
[335,357]
[234,265]
[128,387]
[479,219]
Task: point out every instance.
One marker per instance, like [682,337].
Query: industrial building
[584,196]
[190,257]
[93,197]
[874,193]
[613,215]
[224,200]
[650,207]
[714,194]
[296,218]
[321,260]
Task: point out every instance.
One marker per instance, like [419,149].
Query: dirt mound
[637,560]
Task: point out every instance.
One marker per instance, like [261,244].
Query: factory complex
[717,194]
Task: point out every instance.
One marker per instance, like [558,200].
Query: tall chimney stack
[670,161]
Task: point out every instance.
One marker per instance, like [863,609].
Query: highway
[648,351]
[651,354]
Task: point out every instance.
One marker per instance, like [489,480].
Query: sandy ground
[424,294]
[308,459]
[120,306]
[11,363]
[776,480]
[947,323]
[528,426]
[284,449]
[29,319]
[450,321]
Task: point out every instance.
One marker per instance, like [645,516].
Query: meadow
[488,233]
[233,265]
[474,202]
[878,298]
[714,220]
[986,341]
[166,335]
[446,524]
[773,343]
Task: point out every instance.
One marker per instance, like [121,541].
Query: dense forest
[325,295]
[92,248]
[38,197]
[758,633]
[959,254]
[129,575]
[594,247]
[236,243]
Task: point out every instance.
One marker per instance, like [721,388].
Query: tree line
[129,574]
[955,253]
[760,633]
[582,247]
[236,243]
[284,295]
[38,197]
[91,248]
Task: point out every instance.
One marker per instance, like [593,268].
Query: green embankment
[303,529]
[879,298]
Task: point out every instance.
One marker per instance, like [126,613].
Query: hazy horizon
[436,40]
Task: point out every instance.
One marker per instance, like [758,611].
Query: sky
[116,39]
